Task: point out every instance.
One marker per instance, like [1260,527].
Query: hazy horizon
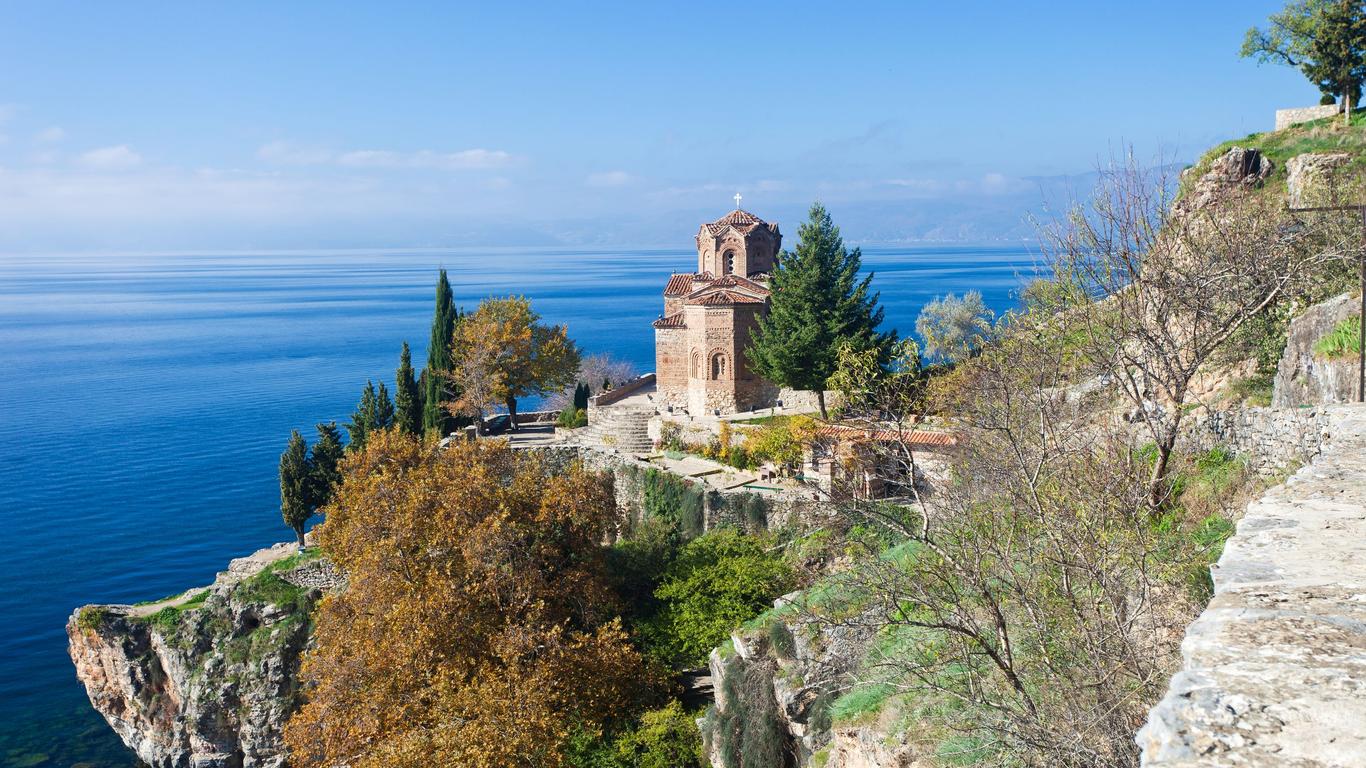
[435,125]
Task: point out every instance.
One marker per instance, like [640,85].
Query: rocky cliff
[1306,378]
[205,679]
[775,683]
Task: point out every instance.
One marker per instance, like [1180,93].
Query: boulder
[1310,177]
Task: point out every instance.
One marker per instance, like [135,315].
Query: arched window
[718,365]
[728,262]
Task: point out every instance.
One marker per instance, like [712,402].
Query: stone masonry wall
[1272,439]
[1288,117]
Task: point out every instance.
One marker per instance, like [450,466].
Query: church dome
[744,221]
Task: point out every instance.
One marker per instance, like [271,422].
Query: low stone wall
[1288,117]
[737,507]
[1274,670]
[1271,439]
[315,574]
[624,391]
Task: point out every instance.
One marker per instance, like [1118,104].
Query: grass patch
[1341,342]
[777,418]
[1255,390]
[862,703]
[91,617]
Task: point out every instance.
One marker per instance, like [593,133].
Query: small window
[730,262]
[718,366]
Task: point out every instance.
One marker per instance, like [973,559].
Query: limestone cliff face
[1304,378]
[773,689]
[205,680]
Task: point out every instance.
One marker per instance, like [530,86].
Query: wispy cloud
[608,179]
[50,135]
[462,160]
[110,158]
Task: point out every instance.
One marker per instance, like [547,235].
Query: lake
[145,399]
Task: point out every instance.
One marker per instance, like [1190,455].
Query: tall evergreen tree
[384,410]
[819,304]
[326,457]
[296,485]
[434,416]
[1338,52]
[362,418]
[407,401]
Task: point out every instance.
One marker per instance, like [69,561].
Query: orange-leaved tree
[502,352]
[477,627]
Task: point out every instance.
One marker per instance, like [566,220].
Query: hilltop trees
[819,305]
[307,479]
[374,412]
[479,625]
[1324,39]
[296,485]
[502,352]
[437,390]
[407,398]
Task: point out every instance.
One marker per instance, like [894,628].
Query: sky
[160,125]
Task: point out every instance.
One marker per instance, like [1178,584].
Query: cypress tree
[407,401]
[296,493]
[818,304]
[384,411]
[434,417]
[326,458]
[362,418]
[581,397]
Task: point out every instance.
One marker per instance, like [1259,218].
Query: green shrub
[665,738]
[572,418]
[861,702]
[672,498]
[91,617]
[1342,341]
[718,582]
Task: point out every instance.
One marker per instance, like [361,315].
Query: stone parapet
[1288,117]
[1274,669]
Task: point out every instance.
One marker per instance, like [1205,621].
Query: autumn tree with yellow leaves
[502,352]
[478,627]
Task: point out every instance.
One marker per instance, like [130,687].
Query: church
[709,314]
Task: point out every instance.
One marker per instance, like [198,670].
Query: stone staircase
[625,428]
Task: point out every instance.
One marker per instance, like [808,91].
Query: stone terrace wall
[1272,439]
[1288,117]
[1274,670]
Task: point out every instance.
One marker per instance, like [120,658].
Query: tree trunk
[1157,482]
[1347,111]
[820,400]
[512,414]
[299,532]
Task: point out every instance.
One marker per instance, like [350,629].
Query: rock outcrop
[1304,378]
[774,685]
[1274,670]
[206,679]
[1240,166]
[1309,178]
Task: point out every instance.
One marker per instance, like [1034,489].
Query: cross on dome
[737,201]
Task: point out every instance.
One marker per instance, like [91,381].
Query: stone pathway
[1274,669]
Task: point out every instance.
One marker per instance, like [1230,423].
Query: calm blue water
[145,399]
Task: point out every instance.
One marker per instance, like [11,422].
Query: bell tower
[738,243]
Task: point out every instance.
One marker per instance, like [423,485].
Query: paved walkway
[1275,668]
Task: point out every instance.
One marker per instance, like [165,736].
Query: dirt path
[239,569]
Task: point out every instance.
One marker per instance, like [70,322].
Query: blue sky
[138,124]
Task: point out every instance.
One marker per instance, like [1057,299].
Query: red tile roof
[682,282]
[670,321]
[744,221]
[721,296]
[912,437]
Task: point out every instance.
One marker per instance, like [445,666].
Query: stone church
[700,339]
